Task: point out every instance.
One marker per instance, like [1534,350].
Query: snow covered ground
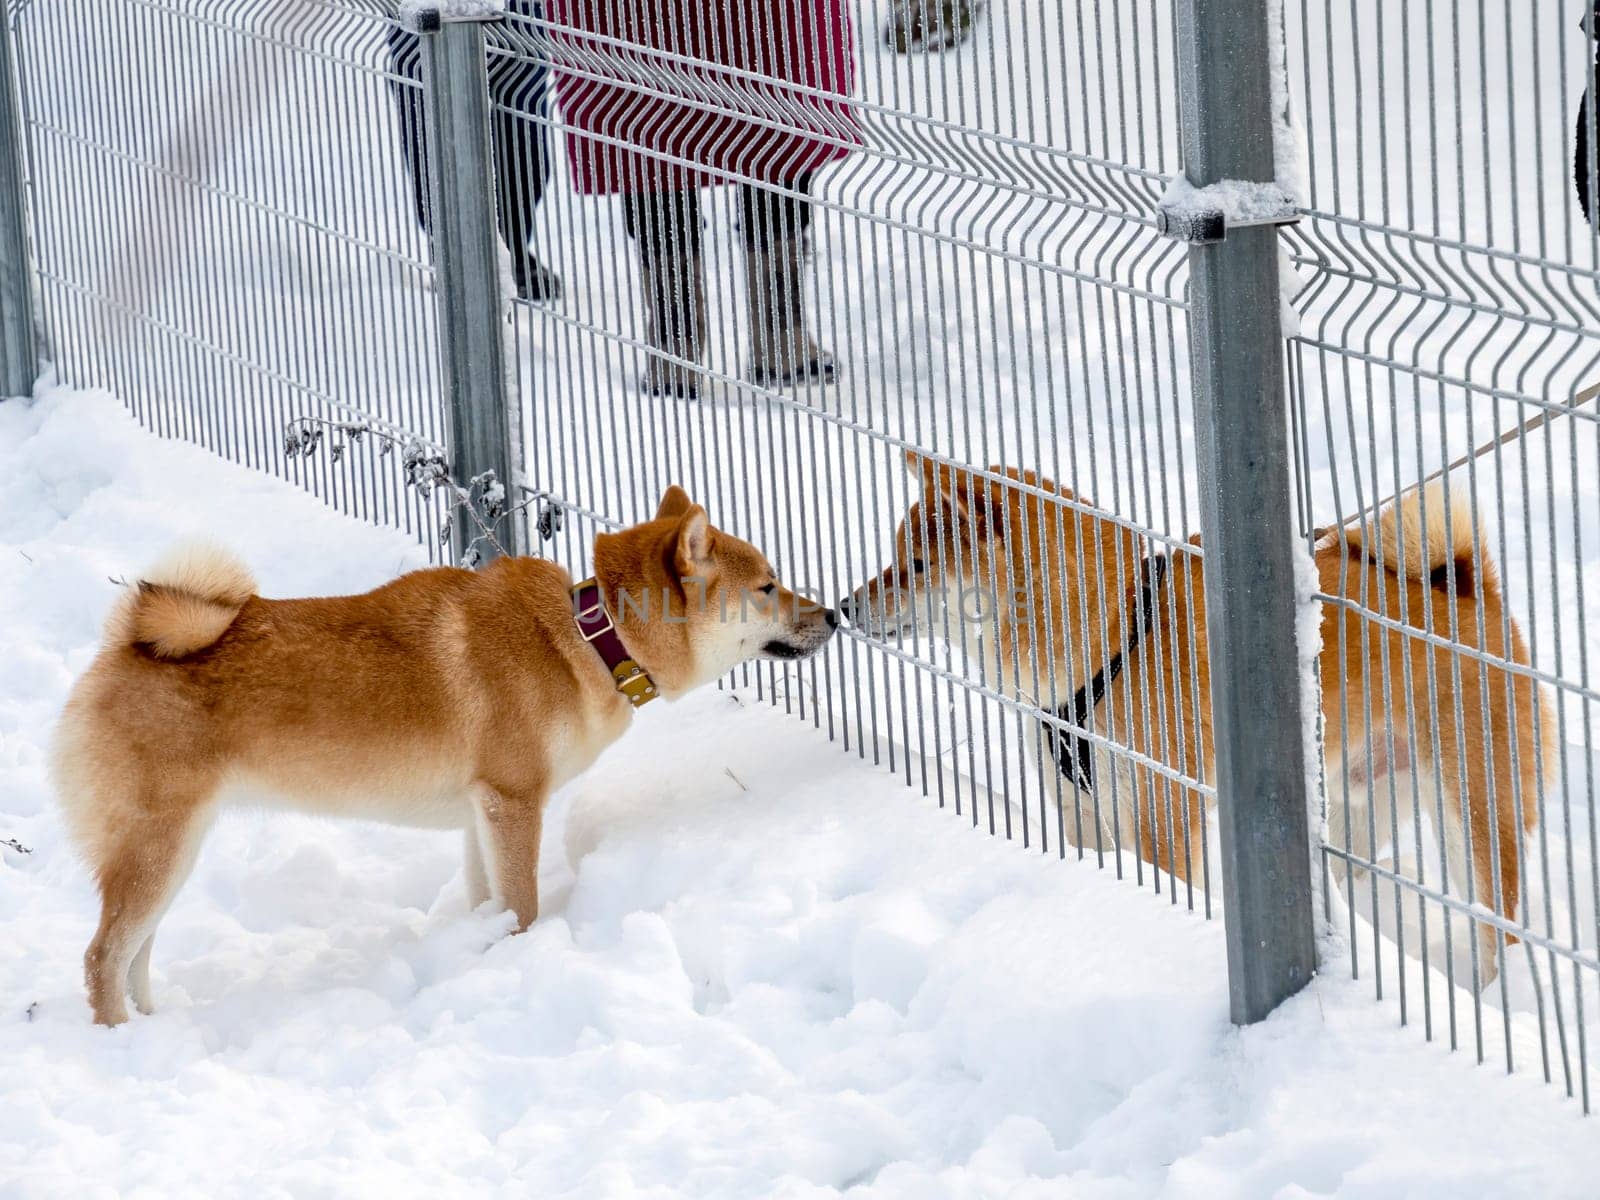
[763,968]
[290,278]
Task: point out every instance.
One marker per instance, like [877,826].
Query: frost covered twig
[482,499]
[16,845]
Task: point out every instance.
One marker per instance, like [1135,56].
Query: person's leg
[776,229]
[405,60]
[666,228]
[915,25]
[1580,156]
[517,89]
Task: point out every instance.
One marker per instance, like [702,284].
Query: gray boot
[930,25]
[675,321]
[781,352]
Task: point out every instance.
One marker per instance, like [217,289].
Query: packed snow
[762,968]
[775,971]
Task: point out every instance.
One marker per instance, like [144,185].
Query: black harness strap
[1073,751]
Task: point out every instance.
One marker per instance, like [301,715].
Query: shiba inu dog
[1084,618]
[444,699]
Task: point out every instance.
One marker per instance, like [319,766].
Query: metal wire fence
[901,313]
[217,235]
[1448,296]
[974,243]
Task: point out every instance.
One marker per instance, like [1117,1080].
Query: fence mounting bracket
[431,18]
[1203,216]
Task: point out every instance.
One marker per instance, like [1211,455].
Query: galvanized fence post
[19,355]
[1226,53]
[461,197]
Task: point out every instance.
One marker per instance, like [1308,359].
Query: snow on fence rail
[944,237]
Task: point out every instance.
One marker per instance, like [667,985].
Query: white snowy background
[762,968]
[773,970]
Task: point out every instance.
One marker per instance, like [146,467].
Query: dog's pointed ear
[935,478]
[957,488]
[693,549]
[674,502]
[967,493]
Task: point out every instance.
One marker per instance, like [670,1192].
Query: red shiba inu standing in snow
[1111,636]
[446,699]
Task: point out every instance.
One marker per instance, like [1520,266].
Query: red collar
[596,627]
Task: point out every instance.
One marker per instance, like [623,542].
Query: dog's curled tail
[1428,537]
[183,604]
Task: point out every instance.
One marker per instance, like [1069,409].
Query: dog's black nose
[846,610]
[831,617]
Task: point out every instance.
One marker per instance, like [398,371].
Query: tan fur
[445,698]
[1423,531]
[182,604]
[1073,576]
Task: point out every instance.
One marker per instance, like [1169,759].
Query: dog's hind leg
[139,977]
[1483,878]
[512,821]
[138,880]
[1349,825]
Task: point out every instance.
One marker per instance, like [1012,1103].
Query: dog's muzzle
[803,643]
[871,619]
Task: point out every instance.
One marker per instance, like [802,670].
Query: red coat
[666,124]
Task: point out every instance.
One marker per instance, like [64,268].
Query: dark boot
[781,351]
[917,25]
[536,283]
[675,320]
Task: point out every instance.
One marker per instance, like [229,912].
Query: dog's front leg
[510,822]
[477,875]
